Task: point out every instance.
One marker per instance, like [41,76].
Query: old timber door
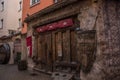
[64,46]
[57,46]
[46,51]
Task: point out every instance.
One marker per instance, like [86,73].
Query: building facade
[10,16]
[77,35]
[32,6]
[29,8]
[10,24]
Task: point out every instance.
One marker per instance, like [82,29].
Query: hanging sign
[29,46]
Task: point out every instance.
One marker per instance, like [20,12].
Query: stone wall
[104,17]
[24,47]
[111,49]
[107,25]
[11,44]
[61,13]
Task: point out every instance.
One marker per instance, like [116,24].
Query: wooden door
[65,46]
[45,49]
[57,46]
[73,46]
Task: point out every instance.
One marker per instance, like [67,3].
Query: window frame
[20,6]
[1,26]
[11,32]
[34,3]
[2,6]
[20,22]
[55,1]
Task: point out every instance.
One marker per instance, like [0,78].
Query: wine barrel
[22,65]
[4,53]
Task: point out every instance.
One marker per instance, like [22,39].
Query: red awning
[52,26]
[65,23]
[42,29]
[56,25]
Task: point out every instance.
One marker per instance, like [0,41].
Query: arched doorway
[17,50]
[4,53]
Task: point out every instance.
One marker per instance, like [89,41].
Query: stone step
[43,71]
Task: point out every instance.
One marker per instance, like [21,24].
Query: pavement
[10,72]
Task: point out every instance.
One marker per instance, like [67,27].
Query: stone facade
[101,16]
[106,65]
[11,15]
[14,48]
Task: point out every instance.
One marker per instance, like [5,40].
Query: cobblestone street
[10,72]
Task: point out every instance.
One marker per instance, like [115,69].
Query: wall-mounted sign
[29,46]
[56,25]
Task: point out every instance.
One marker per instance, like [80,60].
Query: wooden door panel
[68,45]
[48,51]
[56,46]
[73,43]
[64,46]
[39,47]
[43,55]
[45,51]
[53,47]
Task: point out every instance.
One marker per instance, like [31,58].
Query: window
[20,23]
[33,2]
[55,1]
[1,24]
[2,6]
[11,32]
[20,5]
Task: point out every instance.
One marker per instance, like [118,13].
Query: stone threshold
[43,71]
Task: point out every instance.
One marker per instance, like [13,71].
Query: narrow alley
[59,39]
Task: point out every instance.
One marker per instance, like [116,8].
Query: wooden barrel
[4,53]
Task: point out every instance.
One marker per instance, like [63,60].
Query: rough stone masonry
[104,17]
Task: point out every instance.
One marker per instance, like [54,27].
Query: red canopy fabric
[56,25]
[42,29]
[52,26]
[65,23]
